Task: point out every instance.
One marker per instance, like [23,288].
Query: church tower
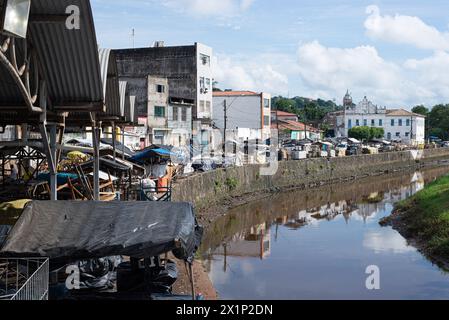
[347,101]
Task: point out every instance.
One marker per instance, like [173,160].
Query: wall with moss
[211,188]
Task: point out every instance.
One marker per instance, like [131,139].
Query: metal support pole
[53,173]
[114,139]
[96,145]
[123,143]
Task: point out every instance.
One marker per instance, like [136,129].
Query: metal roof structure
[57,76]
[111,90]
[66,60]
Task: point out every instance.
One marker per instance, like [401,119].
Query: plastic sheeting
[4,230]
[71,230]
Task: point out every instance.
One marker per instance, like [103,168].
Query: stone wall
[218,186]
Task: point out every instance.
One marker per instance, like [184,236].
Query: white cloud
[386,241]
[328,72]
[255,74]
[403,29]
[217,8]
[432,74]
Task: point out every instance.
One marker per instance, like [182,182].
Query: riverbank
[424,221]
[215,193]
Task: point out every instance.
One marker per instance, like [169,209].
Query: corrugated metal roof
[110,89]
[130,110]
[68,58]
[123,85]
[109,77]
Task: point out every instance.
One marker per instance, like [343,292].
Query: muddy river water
[318,244]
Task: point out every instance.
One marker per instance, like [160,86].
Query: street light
[14,18]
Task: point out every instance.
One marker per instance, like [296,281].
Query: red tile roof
[235,93]
[284,114]
[402,113]
[293,126]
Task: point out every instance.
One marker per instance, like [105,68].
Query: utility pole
[225,109]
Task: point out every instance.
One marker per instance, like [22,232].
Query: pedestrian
[14,173]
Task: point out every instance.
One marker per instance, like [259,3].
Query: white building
[398,124]
[169,118]
[248,114]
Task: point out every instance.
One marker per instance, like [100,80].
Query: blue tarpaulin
[142,156]
[63,178]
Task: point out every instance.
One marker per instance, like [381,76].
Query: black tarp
[4,230]
[67,231]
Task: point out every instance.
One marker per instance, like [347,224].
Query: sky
[394,52]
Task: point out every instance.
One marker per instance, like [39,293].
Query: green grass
[426,217]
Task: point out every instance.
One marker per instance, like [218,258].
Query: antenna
[133,35]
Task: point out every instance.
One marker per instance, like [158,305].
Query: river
[317,244]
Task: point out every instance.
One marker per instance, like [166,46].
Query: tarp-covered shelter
[67,231]
[149,154]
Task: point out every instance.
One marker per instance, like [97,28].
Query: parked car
[445,144]
[353,151]
[387,148]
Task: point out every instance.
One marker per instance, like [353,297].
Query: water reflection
[332,226]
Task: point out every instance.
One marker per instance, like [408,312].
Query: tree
[283,104]
[366,133]
[422,110]
[377,133]
[438,121]
[360,133]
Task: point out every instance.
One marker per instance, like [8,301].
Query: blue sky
[395,52]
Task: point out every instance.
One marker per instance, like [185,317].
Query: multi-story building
[398,124]
[188,80]
[169,119]
[248,113]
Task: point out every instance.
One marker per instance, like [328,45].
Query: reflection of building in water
[416,185]
[256,242]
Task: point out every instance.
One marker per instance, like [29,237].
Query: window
[159,136]
[175,113]
[160,88]
[357,123]
[407,134]
[400,122]
[159,112]
[373,123]
[205,59]
[408,123]
[184,114]
[398,134]
[381,123]
[202,106]
[208,84]
[266,103]
[208,107]
[266,121]
[202,83]
[350,124]
[389,136]
[392,122]
[365,123]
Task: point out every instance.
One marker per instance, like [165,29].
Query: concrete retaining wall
[215,187]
